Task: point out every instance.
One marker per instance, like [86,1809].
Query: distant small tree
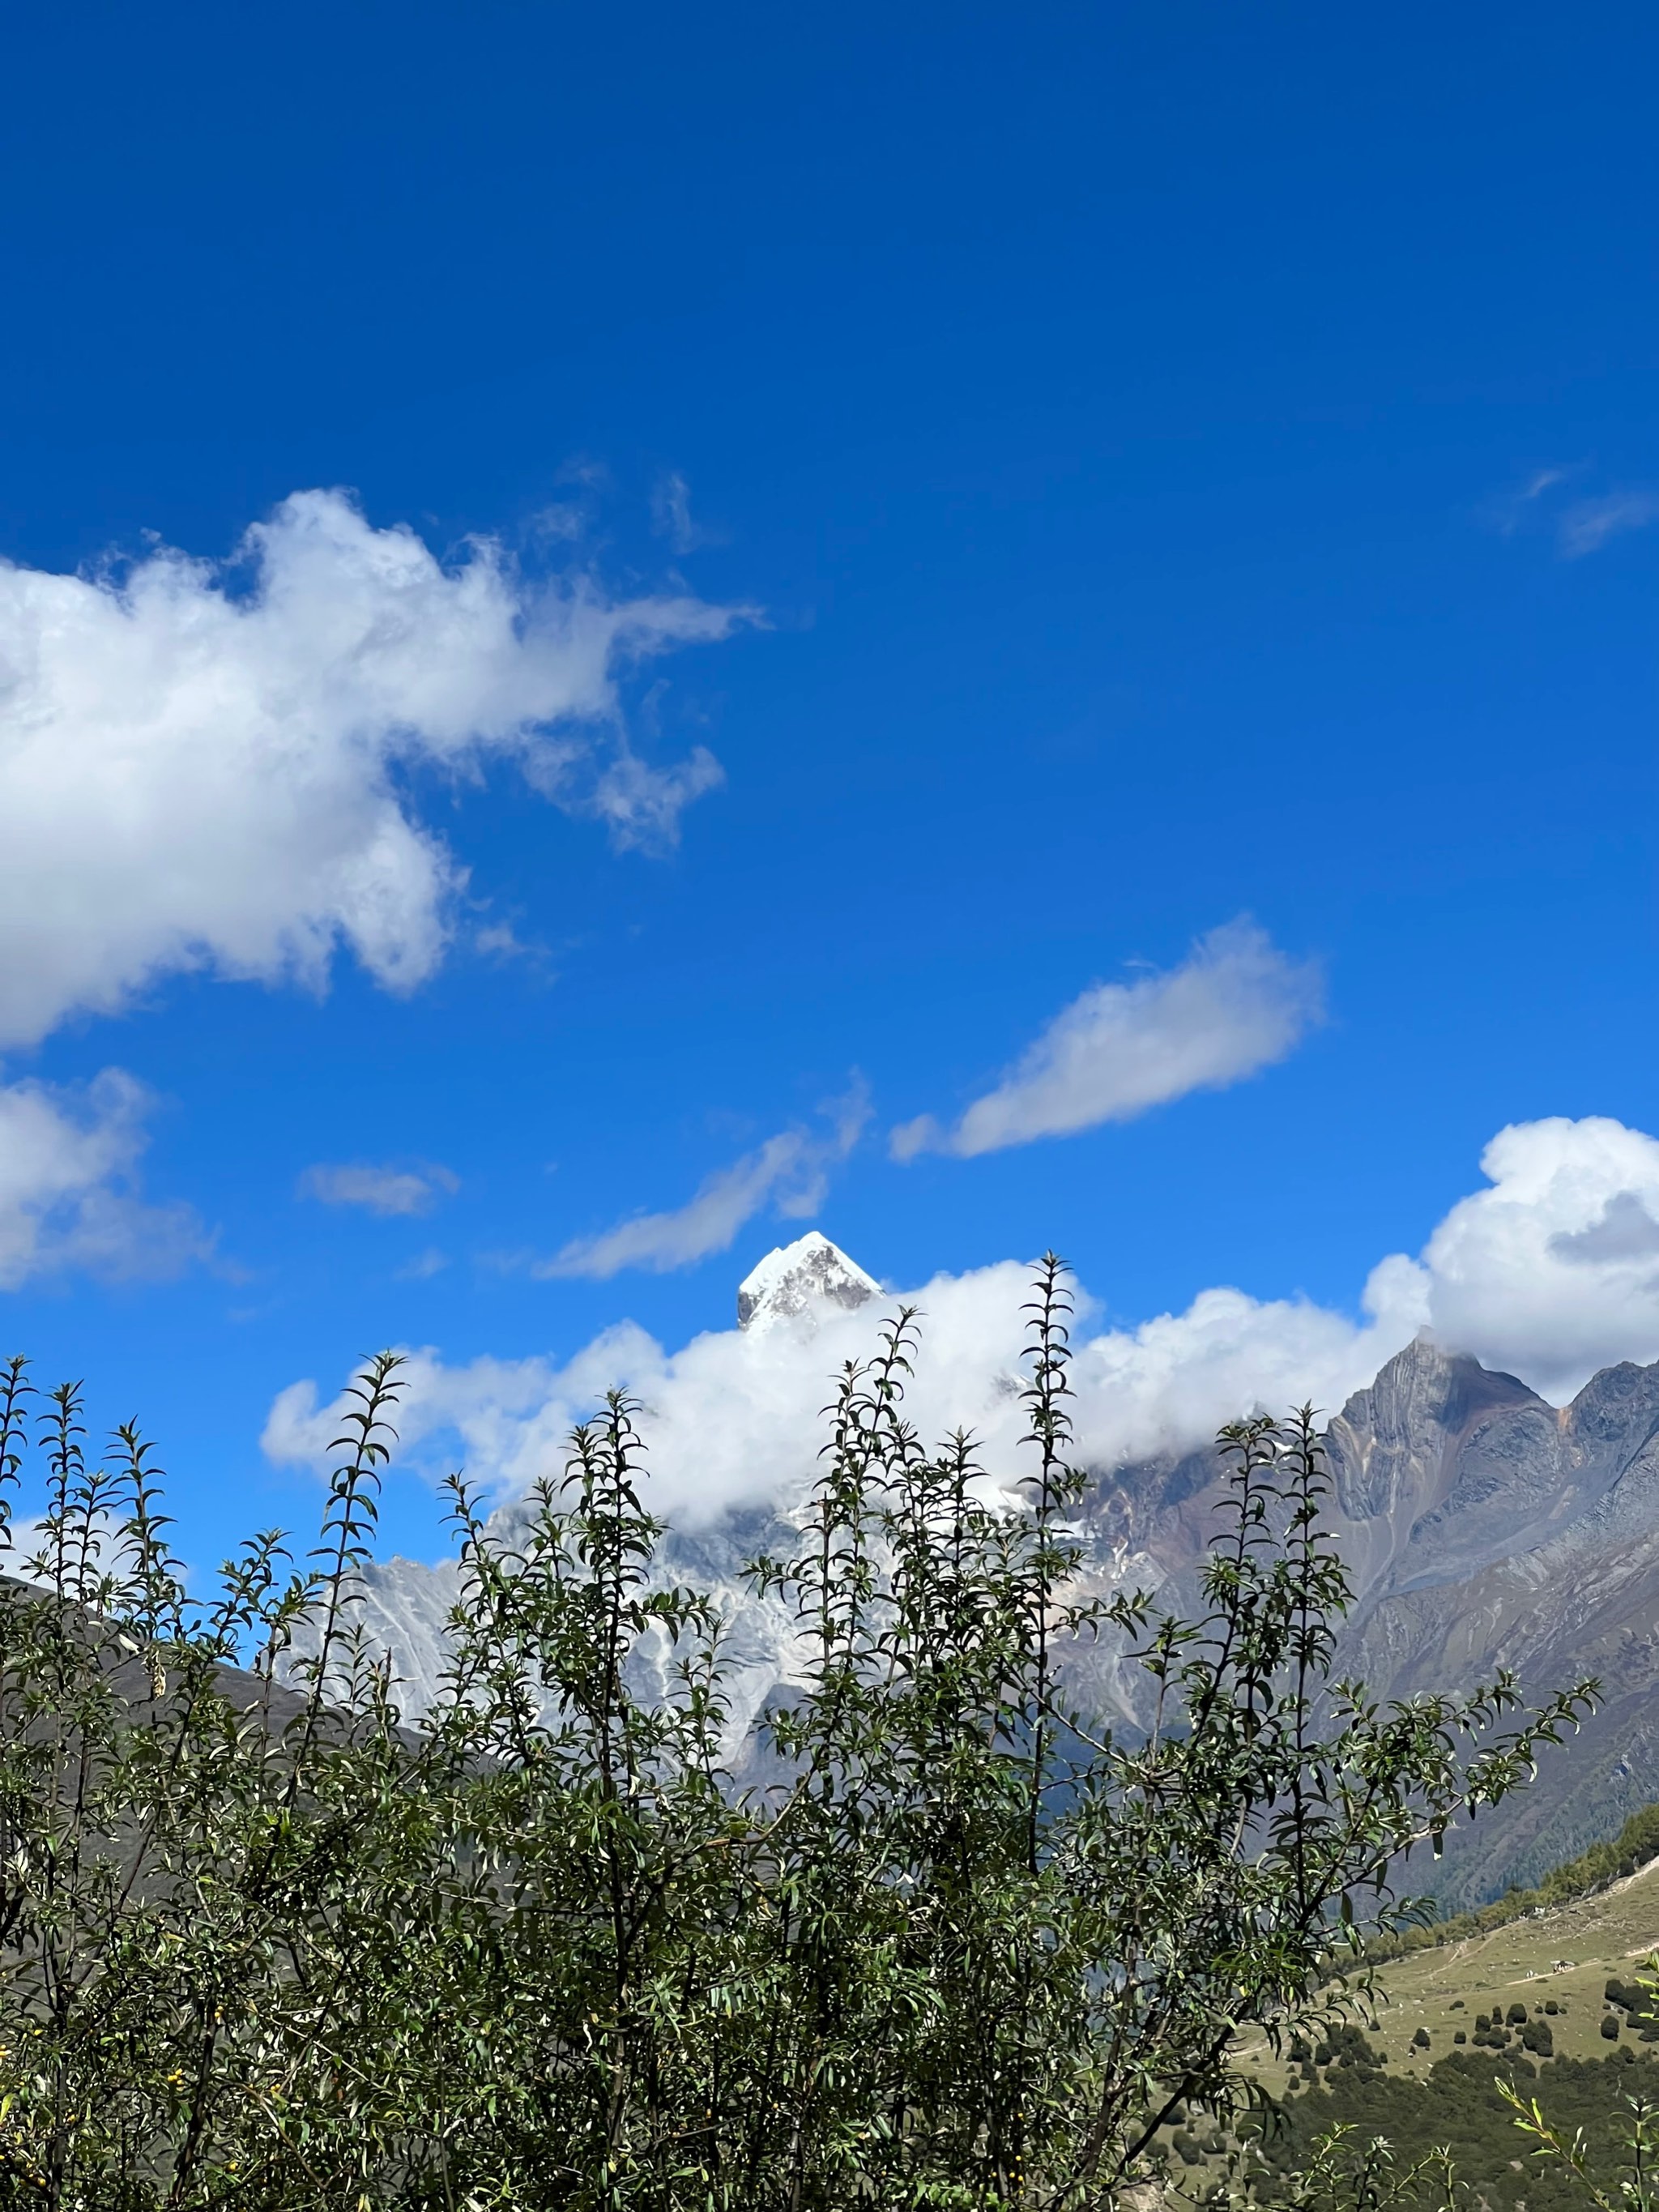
[265,1943]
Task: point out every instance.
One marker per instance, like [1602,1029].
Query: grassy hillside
[1531,1981]
[1554,1961]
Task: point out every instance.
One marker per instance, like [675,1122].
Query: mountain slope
[1486,1528]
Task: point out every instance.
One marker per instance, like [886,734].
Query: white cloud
[1550,1272]
[1554,1271]
[1234,1006]
[379,1190]
[1587,526]
[69,1186]
[200,765]
[789,1172]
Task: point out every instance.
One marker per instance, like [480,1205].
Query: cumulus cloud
[379,1190]
[1554,1271]
[203,766]
[1587,526]
[789,1172]
[1550,1272]
[1234,1006]
[69,1195]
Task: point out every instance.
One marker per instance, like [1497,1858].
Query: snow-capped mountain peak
[795,1283]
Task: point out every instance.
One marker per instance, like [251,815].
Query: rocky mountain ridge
[1483,1528]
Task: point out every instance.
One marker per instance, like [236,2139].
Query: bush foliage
[264,1943]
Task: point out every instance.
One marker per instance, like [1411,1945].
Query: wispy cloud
[423,1266]
[1508,510]
[381,1190]
[1590,523]
[1540,480]
[1237,1006]
[671,515]
[213,754]
[789,1173]
[1582,527]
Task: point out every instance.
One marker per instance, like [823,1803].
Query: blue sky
[1084,474]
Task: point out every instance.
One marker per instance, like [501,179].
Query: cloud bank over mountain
[202,764]
[1551,1272]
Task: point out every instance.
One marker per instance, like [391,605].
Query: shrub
[273,1947]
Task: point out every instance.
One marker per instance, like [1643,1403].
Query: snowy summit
[791,1282]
